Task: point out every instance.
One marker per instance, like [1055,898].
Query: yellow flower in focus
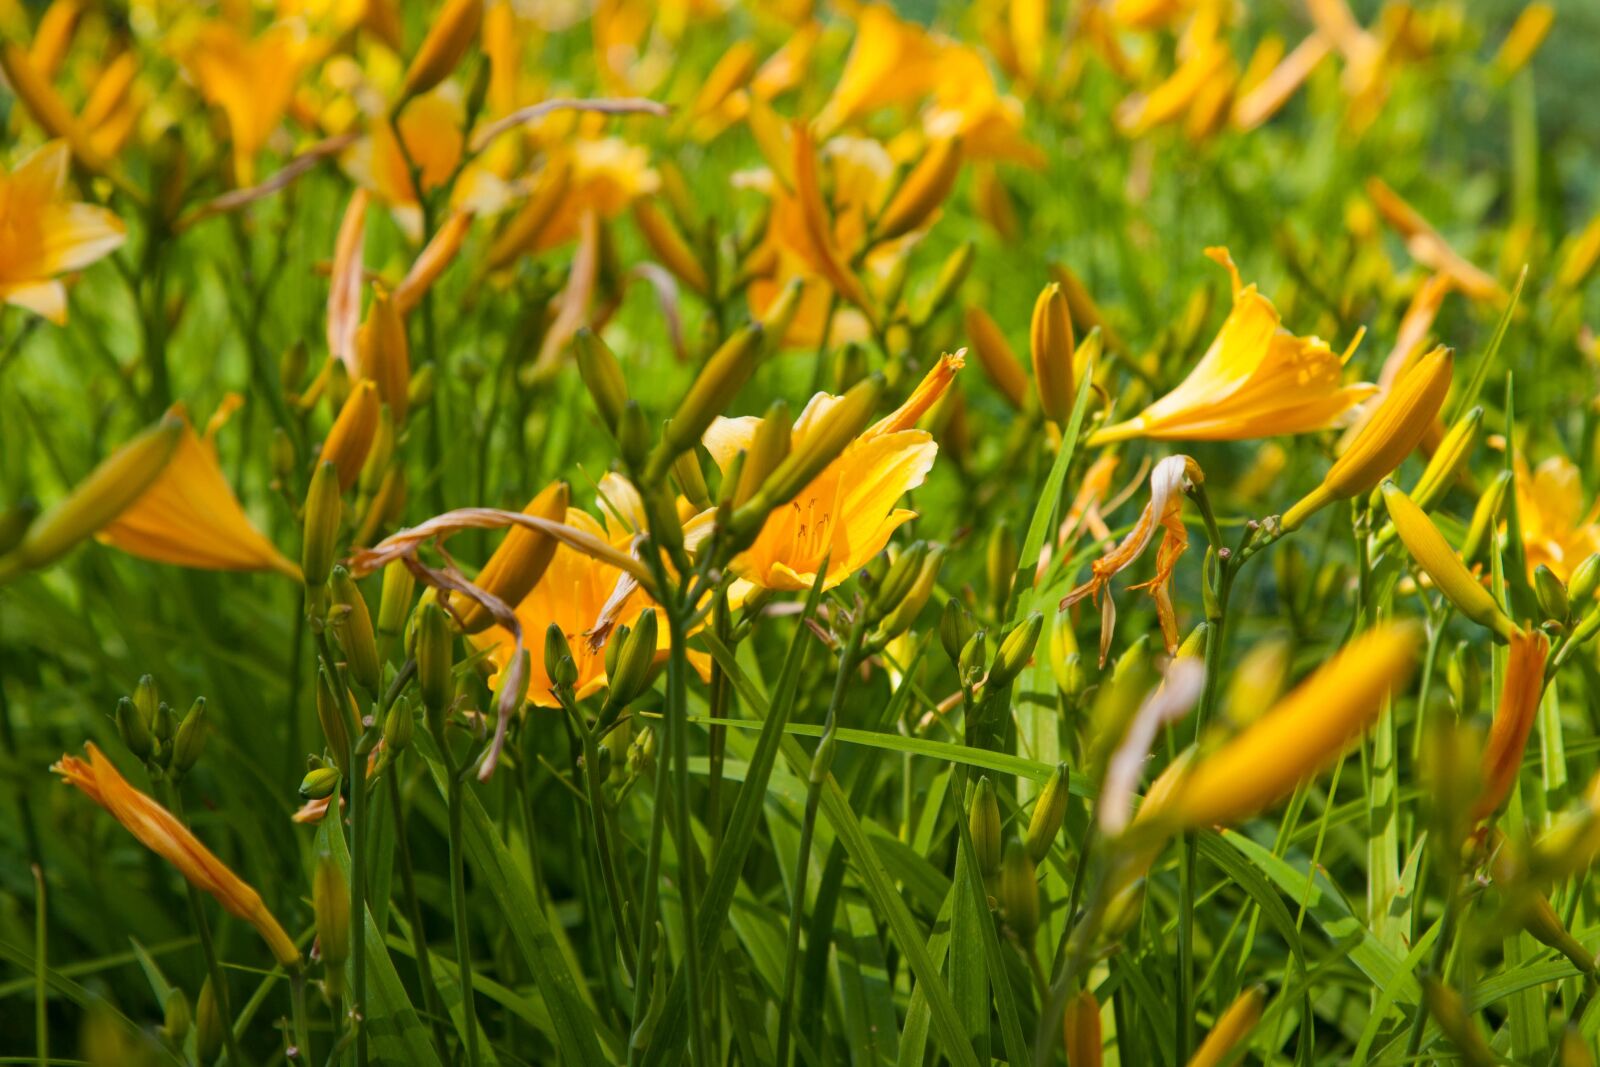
[1556,531]
[1256,380]
[1164,511]
[251,81]
[161,832]
[190,517]
[847,514]
[43,234]
[585,597]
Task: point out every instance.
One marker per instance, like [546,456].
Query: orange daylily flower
[1165,510]
[189,516]
[45,234]
[1556,532]
[1429,248]
[161,832]
[1256,380]
[251,81]
[847,514]
[587,597]
[1513,719]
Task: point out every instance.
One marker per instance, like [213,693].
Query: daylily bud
[190,740]
[380,456]
[1019,891]
[423,381]
[899,579]
[330,903]
[1446,460]
[353,627]
[952,273]
[903,614]
[385,355]
[399,726]
[449,36]
[822,759]
[208,1024]
[351,436]
[849,366]
[768,448]
[924,189]
[1065,661]
[558,663]
[1520,690]
[1435,556]
[1052,344]
[394,604]
[146,697]
[323,512]
[319,782]
[1049,812]
[33,88]
[177,1019]
[719,381]
[633,435]
[1257,682]
[1016,649]
[338,720]
[636,660]
[435,662]
[1080,1030]
[602,375]
[983,823]
[1232,1027]
[669,246]
[134,729]
[281,457]
[642,754]
[974,657]
[955,629]
[1485,517]
[999,362]
[164,725]
[840,425]
[1464,675]
[119,480]
[613,650]
[1552,595]
[691,478]
[292,367]
[518,564]
[781,312]
[1000,565]
[1387,438]
[1583,581]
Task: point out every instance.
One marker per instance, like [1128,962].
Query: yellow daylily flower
[1256,380]
[892,61]
[161,832]
[586,597]
[189,516]
[45,234]
[847,514]
[1556,531]
[250,80]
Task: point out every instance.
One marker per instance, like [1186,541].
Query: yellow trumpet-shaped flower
[251,81]
[892,62]
[1303,733]
[161,832]
[1513,719]
[847,514]
[189,516]
[1165,510]
[1405,416]
[1434,555]
[1556,531]
[1256,380]
[43,234]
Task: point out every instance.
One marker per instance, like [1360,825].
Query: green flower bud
[190,741]
[691,478]
[602,376]
[955,629]
[1049,812]
[165,723]
[337,718]
[281,455]
[974,658]
[435,662]
[399,726]
[957,265]
[559,665]
[177,1019]
[1016,649]
[718,382]
[642,754]
[768,448]
[292,366]
[635,663]
[134,729]
[1447,459]
[633,435]
[319,782]
[983,822]
[896,584]
[822,760]
[147,698]
[849,367]
[903,614]
[208,1025]
[1019,891]
[1485,517]
[353,627]
[1552,594]
[421,389]
[1000,566]
[1584,580]
[330,902]
[781,312]
[394,605]
[323,512]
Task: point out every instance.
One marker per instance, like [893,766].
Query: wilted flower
[1256,380]
[45,234]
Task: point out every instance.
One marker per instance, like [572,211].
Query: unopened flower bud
[208,1024]
[518,564]
[822,759]
[1016,649]
[957,265]
[1583,581]
[165,723]
[281,457]
[323,511]
[1258,681]
[1049,812]
[319,782]
[394,604]
[642,754]
[1066,663]
[1435,556]
[350,437]
[670,247]
[769,446]
[983,822]
[1080,1030]
[1000,565]
[781,312]
[718,382]
[353,628]
[559,666]
[1052,345]
[1485,517]
[691,478]
[450,34]
[385,354]
[955,629]
[602,376]
[903,614]
[1019,891]
[423,381]
[925,187]
[190,740]
[974,657]
[1232,1027]
[1552,595]
[134,729]
[635,661]
[380,457]
[330,903]
[338,720]
[177,1019]
[633,435]
[399,726]
[899,579]
[849,366]
[1447,459]
[1447,1009]
[1000,364]
[435,661]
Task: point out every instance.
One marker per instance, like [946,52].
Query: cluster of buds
[153,731]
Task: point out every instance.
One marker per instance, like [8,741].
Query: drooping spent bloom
[1165,510]
[189,516]
[847,514]
[1556,531]
[45,234]
[1256,380]
[161,832]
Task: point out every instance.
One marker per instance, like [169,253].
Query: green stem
[419,940]
[593,788]
[358,892]
[458,906]
[297,1003]
[208,948]
[41,1003]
